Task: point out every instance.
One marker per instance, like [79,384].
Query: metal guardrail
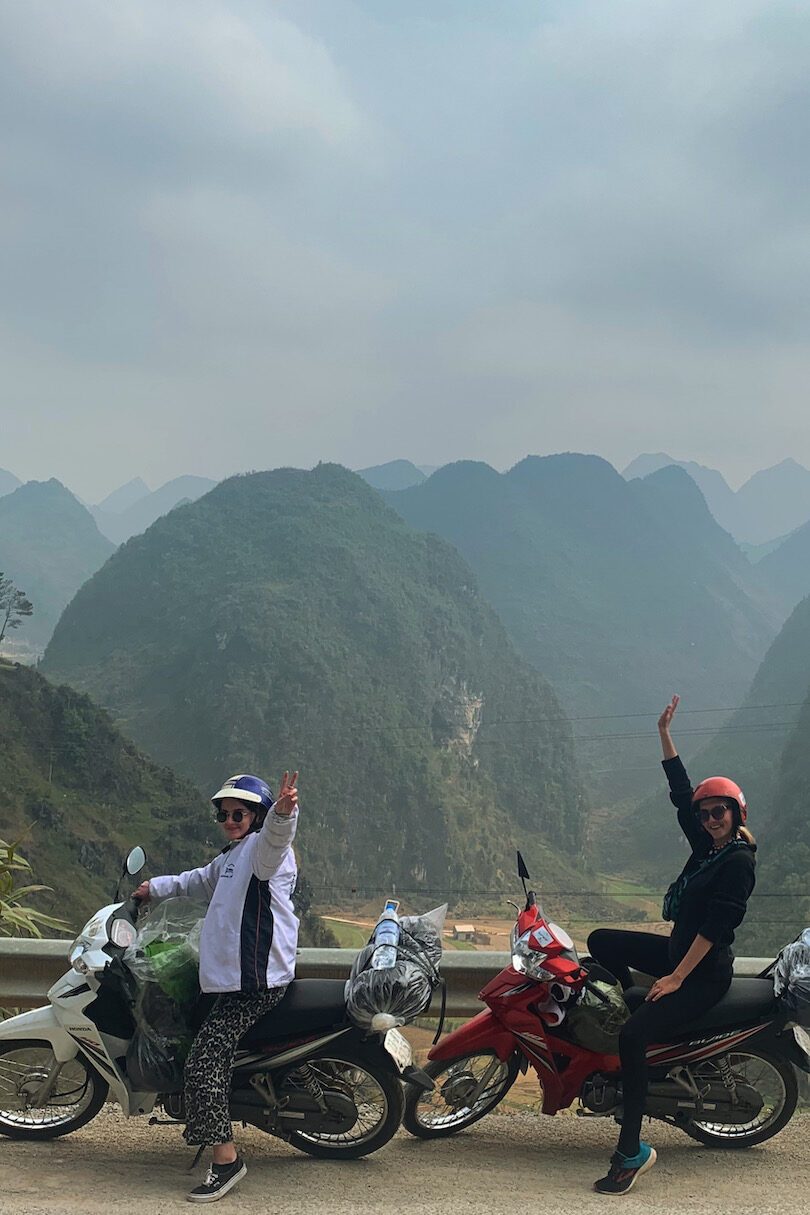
[29,968]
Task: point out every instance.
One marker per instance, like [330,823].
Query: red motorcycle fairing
[483,1032]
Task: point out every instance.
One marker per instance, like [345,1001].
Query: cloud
[368,227]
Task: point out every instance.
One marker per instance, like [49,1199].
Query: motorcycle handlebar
[131,907]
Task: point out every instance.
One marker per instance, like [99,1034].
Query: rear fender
[484,1032]
[42,1025]
[783,1042]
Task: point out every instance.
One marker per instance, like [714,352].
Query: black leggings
[654,1021]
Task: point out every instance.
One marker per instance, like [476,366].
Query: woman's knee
[600,941]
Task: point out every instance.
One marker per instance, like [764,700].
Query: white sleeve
[274,843]
[195,883]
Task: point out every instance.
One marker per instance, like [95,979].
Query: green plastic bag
[595,1022]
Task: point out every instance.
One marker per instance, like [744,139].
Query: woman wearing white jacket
[247,953]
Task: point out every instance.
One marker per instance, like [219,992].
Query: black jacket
[713,900]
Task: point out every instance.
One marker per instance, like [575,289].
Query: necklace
[713,851]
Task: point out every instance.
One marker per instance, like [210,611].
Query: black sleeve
[730,890]
[680,794]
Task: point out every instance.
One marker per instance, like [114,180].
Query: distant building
[463,932]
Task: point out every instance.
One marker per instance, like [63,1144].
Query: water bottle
[386,938]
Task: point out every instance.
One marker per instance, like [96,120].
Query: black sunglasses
[716,813]
[235,816]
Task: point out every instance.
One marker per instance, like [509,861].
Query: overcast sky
[238,235]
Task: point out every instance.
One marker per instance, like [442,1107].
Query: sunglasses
[716,812]
[235,816]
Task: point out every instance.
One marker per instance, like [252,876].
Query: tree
[15,919]
[14,605]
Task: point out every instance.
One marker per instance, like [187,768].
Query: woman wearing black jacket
[693,966]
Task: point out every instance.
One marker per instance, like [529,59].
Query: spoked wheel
[77,1095]
[366,1104]
[466,1088]
[760,1078]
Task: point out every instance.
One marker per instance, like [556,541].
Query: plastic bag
[381,999]
[595,1022]
[791,980]
[165,964]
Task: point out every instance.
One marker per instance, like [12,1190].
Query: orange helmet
[721,786]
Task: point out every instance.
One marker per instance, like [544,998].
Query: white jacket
[250,931]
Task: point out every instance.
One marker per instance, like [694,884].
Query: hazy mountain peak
[8,482]
[648,462]
[562,465]
[396,474]
[49,545]
[125,496]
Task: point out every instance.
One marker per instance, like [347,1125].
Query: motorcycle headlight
[528,961]
[122,933]
[76,956]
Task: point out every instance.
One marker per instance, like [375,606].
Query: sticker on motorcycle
[399,1048]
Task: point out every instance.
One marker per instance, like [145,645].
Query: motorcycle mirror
[135,861]
[523,874]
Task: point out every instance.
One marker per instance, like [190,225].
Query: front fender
[40,1024]
[484,1032]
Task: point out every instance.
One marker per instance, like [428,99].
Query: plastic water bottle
[386,938]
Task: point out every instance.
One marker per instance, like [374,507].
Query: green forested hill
[49,545]
[291,619]
[89,795]
[621,593]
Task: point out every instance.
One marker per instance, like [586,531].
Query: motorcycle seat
[308,1005]
[745,1001]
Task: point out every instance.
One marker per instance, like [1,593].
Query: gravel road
[508,1162]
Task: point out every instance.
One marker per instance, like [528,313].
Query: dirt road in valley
[508,1163]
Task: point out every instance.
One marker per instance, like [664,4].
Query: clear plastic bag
[791,980]
[164,962]
[382,999]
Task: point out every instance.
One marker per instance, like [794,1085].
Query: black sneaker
[624,1170]
[220,1179]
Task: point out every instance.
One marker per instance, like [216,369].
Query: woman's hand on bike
[663,987]
[288,797]
[142,893]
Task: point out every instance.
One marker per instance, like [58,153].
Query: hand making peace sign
[287,800]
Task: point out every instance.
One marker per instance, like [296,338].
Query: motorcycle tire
[78,1095]
[376,1092]
[759,1070]
[440,1113]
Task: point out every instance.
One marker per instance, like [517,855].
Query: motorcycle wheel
[773,1078]
[445,1110]
[377,1094]
[77,1095]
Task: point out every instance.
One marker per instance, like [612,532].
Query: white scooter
[304,1074]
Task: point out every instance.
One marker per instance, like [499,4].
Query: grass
[349,936]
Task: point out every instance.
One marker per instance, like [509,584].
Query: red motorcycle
[729,1081]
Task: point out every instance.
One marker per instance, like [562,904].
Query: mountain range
[620,592]
[128,511]
[767,507]
[291,619]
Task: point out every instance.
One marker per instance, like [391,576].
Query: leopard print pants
[207,1075]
